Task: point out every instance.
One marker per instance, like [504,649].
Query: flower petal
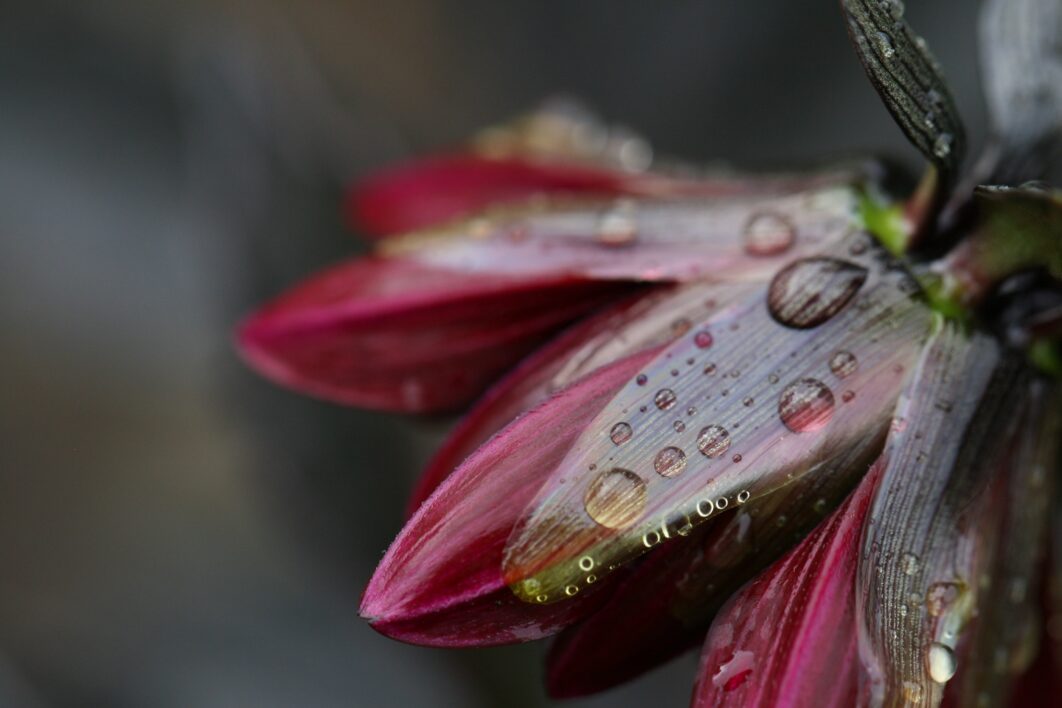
[666,604]
[649,319]
[397,335]
[440,583]
[934,518]
[1006,630]
[789,637]
[757,396]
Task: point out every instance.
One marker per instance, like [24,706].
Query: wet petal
[759,408]
[1007,628]
[667,603]
[934,522]
[789,637]
[440,583]
[396,335]
[647,320]
[736,238]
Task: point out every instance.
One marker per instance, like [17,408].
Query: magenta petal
[396,335]
[434,190]
[789,638]
[441,581]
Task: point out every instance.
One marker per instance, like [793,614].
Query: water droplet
[843,364]
[709,369]
[847,396]
[713,441]
[703,339]
[734,671]
[941,661]
[743,496]
[805,405]
[617,227]
[736,458]
[940,596]
[665,399]
[895,8]
[772,378]
[819,506]
[571,590]
[942,145]
[670,462]
[586,563]
[768,234]
[674,372]
[616,498]
[810,291]
[641,380]
[909,563]
[679,426]
[680,326]
[885,46]
[620,433]
[691,411]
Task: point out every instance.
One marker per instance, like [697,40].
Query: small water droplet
[819,506]
[713,441]
[665,399]
[709,369]
[736,458]
[620,433]
[806,405]
[641,380]
[674,372]
[909,563]
[679,426]
[885,45]
[586,563]
[703,339]
[748,401]
[616,498]
[670,462]
[942,145]
[769,234]
[680,326]
[843,364]
[810,291]
[847,396]
[617,227]
[941,661]
[732,673]
[772,378]
[940,596]
[743,496]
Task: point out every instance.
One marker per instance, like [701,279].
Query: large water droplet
[670,462]
[806,405]
[620,433]
[617,227]
[616,498]
[713,441]
[734,672]
[665,399]
[941,661]
[843,364]
[810,291]
[768,234]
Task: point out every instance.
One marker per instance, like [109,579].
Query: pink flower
[682,382]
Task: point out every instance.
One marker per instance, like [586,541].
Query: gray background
[175,531]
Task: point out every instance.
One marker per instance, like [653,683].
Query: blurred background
[175,531]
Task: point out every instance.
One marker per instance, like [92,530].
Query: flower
[786,417]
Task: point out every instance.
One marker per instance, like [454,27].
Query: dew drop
[885,46]
[713,441]
[768,234]
[736,458]
[691,411]
[940,596]
[665,399]
[810,291]
[570,590]
[819,506]
[734,672]
[620,433]
[748,401]
[617,227]
[941,661]
[909,563]
[641,380]
[805,405]
[709,370]
[703,339]
[586,563]
[670,462]
[843,364]
[616,498]
[942,145]
[679,426]
[847,396]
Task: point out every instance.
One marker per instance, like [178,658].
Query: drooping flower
[683,379]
